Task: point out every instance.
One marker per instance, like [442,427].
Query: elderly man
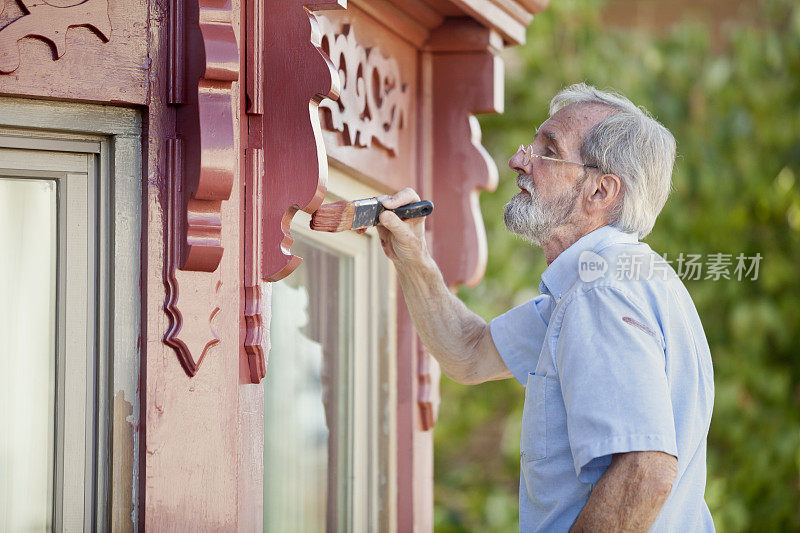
[616,367]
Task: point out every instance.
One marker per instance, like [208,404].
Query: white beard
[535,220]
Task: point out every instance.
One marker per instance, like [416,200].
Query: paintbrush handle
[415,210]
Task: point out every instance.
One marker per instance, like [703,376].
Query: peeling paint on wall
[127,327]
[122,469]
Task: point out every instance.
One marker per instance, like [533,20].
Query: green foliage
[735,114]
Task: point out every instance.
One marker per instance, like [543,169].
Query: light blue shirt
[613,359]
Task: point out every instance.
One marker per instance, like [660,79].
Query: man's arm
[630,494]
[458,338]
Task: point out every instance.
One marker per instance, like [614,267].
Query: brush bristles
[336,216]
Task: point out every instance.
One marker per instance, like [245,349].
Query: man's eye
[549,152]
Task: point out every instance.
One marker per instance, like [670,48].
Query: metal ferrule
[366,213]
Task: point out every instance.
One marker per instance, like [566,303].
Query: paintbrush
[360,214]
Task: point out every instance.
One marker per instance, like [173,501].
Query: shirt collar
[562,273]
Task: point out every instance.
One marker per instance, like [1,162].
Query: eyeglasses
[528,150]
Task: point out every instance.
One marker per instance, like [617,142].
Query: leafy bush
[735,113]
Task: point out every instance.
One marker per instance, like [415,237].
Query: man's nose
[516,163]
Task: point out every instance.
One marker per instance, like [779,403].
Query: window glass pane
[306,396]
[27,352]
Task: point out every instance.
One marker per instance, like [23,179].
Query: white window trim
[373,500]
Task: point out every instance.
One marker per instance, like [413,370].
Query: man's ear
[607,189]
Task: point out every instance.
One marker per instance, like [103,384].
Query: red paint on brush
[333,217]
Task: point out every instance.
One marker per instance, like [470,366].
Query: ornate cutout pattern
[50,24]
[373,104]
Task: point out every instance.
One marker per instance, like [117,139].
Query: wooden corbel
[467,79]
[201,163]
[288,75]
[298,77]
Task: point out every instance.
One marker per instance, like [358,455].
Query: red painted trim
[190,347]
[464,82]
[285,162]
[203,159]
[407,480]
[428,398]
[176,74]
[253,321]
[300,76]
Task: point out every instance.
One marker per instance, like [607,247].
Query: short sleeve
[610,360]
[518,335]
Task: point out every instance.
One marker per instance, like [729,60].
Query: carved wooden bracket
[299,77]
[373,104]
[50,24]
[202,164]
[205,124]
[191,310]
[467,78]
[288,75]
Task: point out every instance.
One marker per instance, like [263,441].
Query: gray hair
[634,146]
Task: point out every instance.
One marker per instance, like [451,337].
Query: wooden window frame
[76,358]
[104,144]
[371,502]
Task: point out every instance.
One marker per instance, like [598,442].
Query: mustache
[525,182]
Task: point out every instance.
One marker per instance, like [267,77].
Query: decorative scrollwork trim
[374,102]
[202,161]
[190,341]
[296,167]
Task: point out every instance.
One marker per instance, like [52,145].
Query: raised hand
[403,241]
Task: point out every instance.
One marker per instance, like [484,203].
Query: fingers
[406,196]
[402,230]
[386,242]
[394,224]
[403,241]
[383,233]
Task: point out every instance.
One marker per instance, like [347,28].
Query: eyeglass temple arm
[528,150]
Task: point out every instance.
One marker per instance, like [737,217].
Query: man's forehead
[557,129]
[573,120]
